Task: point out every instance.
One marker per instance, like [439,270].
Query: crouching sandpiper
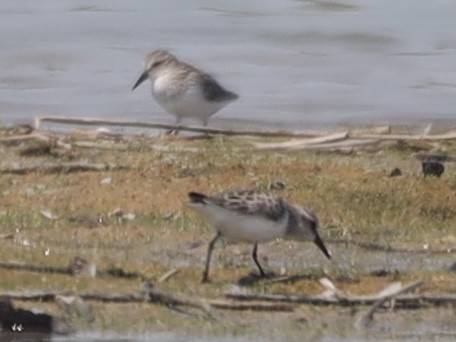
[254,216]
[183,90]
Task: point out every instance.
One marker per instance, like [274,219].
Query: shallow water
[303,63]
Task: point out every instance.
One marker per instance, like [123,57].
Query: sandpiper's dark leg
[206,134]
[208,258]
[178,122]
[174,131]
[254,256]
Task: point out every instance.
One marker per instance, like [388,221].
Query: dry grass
[352,194]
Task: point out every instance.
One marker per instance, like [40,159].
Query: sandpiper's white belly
[238,227]
[185,101]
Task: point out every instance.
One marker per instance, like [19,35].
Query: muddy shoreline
[130,216]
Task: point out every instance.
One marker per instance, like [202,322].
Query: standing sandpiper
[183,90]
[254,216]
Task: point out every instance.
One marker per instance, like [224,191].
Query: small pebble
[106,181]
[432,168]
[129,216]
[395,172]
[48,214]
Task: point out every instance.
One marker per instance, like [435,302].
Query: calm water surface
[302,63]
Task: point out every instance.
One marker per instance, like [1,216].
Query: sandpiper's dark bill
[144,76]
[322,247]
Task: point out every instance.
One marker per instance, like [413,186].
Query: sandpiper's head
[307,228]
[154,63]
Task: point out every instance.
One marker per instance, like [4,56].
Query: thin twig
[15,139]
[405,301]
[301,143]
[74,267]
[153,296]
[139,124]
[60,167]
[19,266]
[168,275]
[389,293]
[432,137]
[386,248]
[254,305]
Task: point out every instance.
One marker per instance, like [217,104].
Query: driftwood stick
[410,300]
[159,297]
[15,139]
[42,139]
[336,297]
[431,137]
[359,133]
[312,145]
[59,167]
[206,304]
[300,143]
[389,293]
[50,296]
[76,266]
[298,299]
[405,301]
[265,302]
[153,296]
[20,266]
[386,248]
[341,144]
[254,305]
[38,296]
[139,124]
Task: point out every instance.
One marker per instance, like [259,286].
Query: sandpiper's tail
[230,96]
[196,197]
